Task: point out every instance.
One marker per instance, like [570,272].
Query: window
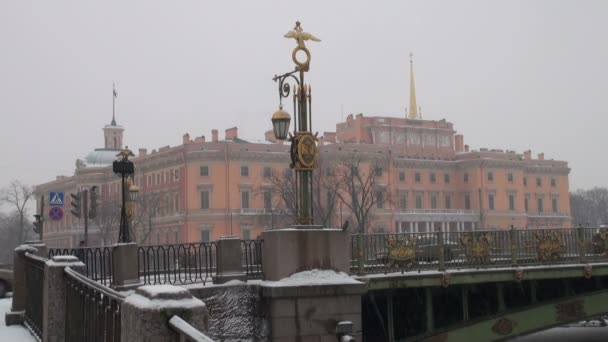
[539,181]
[176,202]
[205,235]
[417,177]
[553,182]
[244,199]
[446,178]
[171,177]
[525,181]
[267,172]
[526,204]
[204,171]
[379,171]
[539,203]
[176,174]
[267,199]
[554,204]
[176,236]
[490,176]
[418,201]
[466,177]
[380,199]
[433,201]
[287,173]
[244,171]
[158,179]
[491,201]
[448,202]
[467,201]
[510,177]
[432,177]
[511,202]
[204,199]
[402,176]
[354,171]
[330,199]
[403,201]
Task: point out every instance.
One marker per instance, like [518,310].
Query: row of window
[266,171]
[206,233]
[158,178]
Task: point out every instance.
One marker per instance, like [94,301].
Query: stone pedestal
[15,316]
[292,250]
[40,247]
[54,296]
[145,314]
[311,312]
[124,267]
[229,261]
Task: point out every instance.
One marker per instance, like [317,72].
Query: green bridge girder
[528,320]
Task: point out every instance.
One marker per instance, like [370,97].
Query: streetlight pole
[124,167]
[303,149]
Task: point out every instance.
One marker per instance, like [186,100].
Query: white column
[428,225]
[412,227]
[416,227]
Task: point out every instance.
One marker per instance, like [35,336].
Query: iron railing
[251,254]
[187,333]
[34,281]
[177,264]
[383,253]
[98,261]
[92,310]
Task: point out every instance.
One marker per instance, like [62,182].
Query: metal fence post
[441,256]
[360,253]
[514,245]
[580,242]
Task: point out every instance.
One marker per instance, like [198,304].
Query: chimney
[231,133]
[527,155]
[541,156]
[214,135]
[185,138]
[330,137]
[466,148]
[269,136]
[459,142]
[142,152]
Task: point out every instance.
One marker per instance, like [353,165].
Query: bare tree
[108,221]
[147,208]
[17,195]
[9,236]
[589,207]
[358,189]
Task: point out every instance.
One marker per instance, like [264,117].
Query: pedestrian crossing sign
[56,199]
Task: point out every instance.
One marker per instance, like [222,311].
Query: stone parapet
[229,265]
[15,316]
[125,272]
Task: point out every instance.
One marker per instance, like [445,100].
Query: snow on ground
[14,333]
[314,277]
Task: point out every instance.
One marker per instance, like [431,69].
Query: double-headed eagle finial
[300,36]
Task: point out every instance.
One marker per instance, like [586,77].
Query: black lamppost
[303,143]
[124,168]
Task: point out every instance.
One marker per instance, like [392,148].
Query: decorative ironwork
[252,258]
[549,245]
[401,253]
[177,264]
[587,271]
[445,279]
[518,274]
[570,311]
[97,260]
[476,247]
[34,280]
[504,326]
[600,242]
[306,149]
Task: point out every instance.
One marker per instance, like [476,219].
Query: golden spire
[413,112]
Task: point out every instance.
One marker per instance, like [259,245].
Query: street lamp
[303,149]
[124,168]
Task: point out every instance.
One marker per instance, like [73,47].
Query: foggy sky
[509,74]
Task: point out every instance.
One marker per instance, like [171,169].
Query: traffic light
[38,224]
[93,202]
[76,204]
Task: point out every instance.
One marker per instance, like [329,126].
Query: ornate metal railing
[92,310]
[251,253]
[187,333]
[34,282]
[177,264]
[98,261]
[383,253]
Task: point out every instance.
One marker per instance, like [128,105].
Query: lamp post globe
[280,123]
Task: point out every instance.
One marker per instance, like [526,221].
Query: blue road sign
[56,213]
[56,199]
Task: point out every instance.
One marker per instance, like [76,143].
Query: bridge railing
[92,310]
[97,260]
[382,253]
[34,281]
[187,333]
[251,258]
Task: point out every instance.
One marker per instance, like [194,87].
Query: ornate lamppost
[124,168]
[303,149]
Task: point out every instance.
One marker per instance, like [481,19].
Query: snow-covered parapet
[147,311]
[314,277]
